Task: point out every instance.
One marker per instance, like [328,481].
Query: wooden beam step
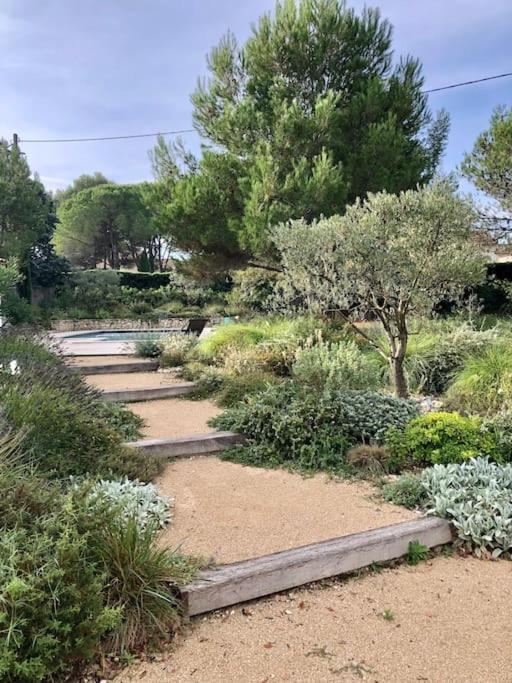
[111,368]
[196,444]
[234,583]
[132,395]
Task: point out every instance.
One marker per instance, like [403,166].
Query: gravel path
[231,512]
[174,417]
[449,622]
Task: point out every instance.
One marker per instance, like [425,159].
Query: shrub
[208,383]
[175,349]
[236,388]
[440,438]
[121,420]
[64,419]
[476,496]
[148,348]
[288,424]
[407,490]
[234,335]
[484,385]
[336,366]
[500,426]
[253,290]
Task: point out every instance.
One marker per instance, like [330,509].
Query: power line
[459,85]
[116,137]
[192,130]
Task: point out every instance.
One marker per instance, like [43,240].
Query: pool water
[123,335]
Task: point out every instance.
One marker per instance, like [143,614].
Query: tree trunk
[398,377]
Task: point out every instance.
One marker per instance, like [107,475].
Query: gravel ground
[448,621]
[174,417]
[133,380]
[231,512]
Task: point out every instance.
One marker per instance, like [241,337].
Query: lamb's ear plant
[476,496]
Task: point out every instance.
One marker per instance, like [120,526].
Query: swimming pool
[120,335]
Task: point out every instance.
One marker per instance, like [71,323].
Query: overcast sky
[80,68]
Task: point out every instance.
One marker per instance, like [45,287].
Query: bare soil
[175,417]
[448,622]
[133,380]
[231,512]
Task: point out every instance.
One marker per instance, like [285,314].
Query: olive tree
[388,257]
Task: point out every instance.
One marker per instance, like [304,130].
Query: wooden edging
[113,368]
[233,583]
[197,444]
[131,395]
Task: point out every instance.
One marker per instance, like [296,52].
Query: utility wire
[192,130]
[459,85]
[117,137]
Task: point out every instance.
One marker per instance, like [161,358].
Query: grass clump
[484,385]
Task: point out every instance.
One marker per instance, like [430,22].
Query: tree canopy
[388,257]
[308,115]
[489,164]
[106,223]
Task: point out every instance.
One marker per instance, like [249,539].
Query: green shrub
[69,428]
[288,424]
[253,290]
[208,383]
[121,420]
[500,426]
[234,335]
[484,385]
[440,438]
[476,496]
[148,348]
[175,349]
[407,490]
[340,366]
[236,388]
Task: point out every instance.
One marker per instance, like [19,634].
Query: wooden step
[150,394]
[113,368]
[234,583]
[196,444]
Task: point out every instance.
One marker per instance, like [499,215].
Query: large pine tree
[311,113]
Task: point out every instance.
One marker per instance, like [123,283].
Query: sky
[90,68]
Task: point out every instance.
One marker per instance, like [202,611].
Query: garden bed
[135,380]
[175,417]
[445,621]
[231,512]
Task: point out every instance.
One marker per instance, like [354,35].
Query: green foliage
[23,206]
[340,366]
[129,278]
[300,115]
[387,248]
[175,349]
[236,388]
[105,223]
[148,348]
[440,438]
[416,552]
[66,422]
[406,490]
[121,420]
[476,496]
[288,424]
[484,385]
[52,613]
[144,266]
[434,357]
[489,165]
[253,290]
